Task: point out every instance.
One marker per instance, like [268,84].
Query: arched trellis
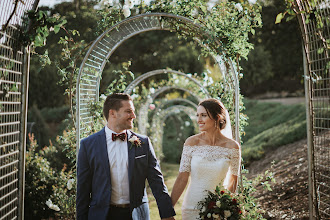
[161,107]
[147,75]
[103,47]
[14,73]
[143,112]
[179,100]
[157,123]
[316,35]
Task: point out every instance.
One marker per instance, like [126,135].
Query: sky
[49,3]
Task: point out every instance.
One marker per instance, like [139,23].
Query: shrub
[39,180]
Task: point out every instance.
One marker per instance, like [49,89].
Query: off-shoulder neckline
[210,146]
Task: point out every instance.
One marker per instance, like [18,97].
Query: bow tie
[121,136]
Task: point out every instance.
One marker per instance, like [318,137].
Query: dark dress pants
[116,213]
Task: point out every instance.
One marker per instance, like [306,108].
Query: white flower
[134,96]
[129,3]
[55,207]
[49,202]
[147,2]
[215,216]
[103,97]
[70,184]
[152,90]
[218,203]
[186,123]
[50,205]
[134,138]
[252,1]
[126,11]
[209,215]
[239,7]
[107,2]
[227,213]
[135,141]
[203,209]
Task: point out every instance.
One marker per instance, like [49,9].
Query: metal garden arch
[103,47]
[316,45]
[159,109]
[174,109]
[144,76]
[143,112]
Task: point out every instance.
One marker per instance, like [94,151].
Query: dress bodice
[208,167]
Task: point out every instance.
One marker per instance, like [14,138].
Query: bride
[211,157]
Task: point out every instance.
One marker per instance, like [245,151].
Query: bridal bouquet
[220,204]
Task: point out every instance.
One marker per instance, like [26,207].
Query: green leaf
[279,18]
[14,88]
[253,31]
[63,22]
[57,28]
[203,8]
[320,50]
[38,41]
[289,18]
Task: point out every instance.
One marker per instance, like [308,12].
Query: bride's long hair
[217,111]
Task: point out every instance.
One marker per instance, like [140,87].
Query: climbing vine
[225,25]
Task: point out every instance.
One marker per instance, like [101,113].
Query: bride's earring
[215,124]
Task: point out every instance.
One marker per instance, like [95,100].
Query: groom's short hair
[113,101]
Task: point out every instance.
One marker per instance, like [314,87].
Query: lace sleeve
[185,159]
[235,162]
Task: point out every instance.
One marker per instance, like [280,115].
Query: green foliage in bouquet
[220,204]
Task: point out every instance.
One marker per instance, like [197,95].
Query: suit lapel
[131,156]
[104,151]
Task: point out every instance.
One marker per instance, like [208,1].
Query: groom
[112,168]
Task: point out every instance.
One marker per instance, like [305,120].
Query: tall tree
[276,63]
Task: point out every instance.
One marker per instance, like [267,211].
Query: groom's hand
[170,218]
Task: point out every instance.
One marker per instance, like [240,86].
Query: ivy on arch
[198,28]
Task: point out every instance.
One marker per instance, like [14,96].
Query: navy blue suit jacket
[94,183]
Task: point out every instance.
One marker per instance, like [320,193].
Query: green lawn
[271,125]
[170,172]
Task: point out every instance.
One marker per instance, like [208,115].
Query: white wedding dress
[208,167]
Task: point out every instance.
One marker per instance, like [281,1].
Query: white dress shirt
[118,159]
